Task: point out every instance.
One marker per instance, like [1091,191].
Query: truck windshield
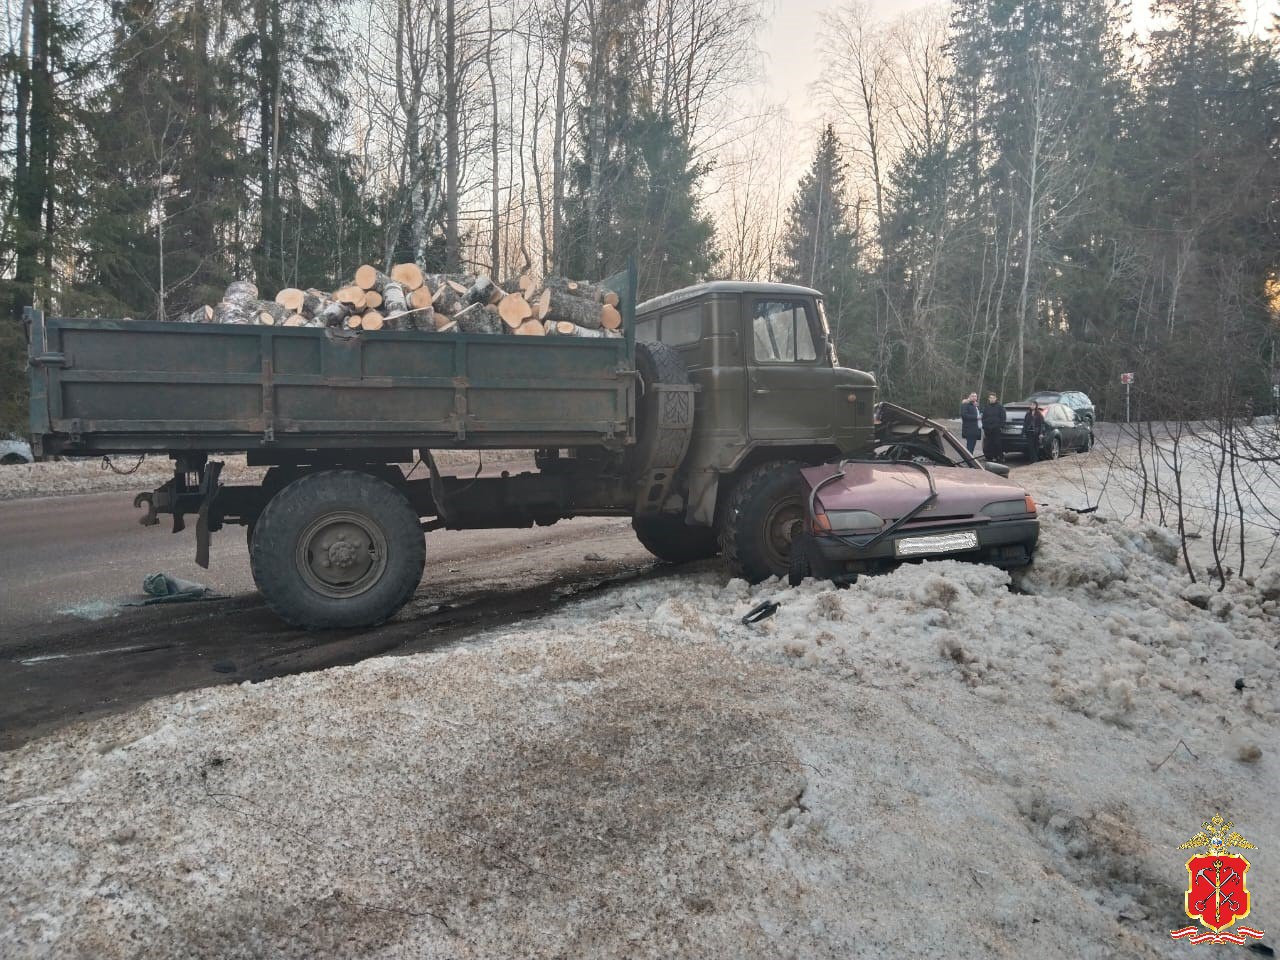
[781,332]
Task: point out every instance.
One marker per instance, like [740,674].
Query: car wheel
[1055,448]
[763,515]
[12,459]
[337,548]
[673,540]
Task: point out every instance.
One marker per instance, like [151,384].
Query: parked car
[864,515]
[14,450]
[1064,429]
[1074,399]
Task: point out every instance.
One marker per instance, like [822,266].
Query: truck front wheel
[337,548]
[763,515]
[673,540]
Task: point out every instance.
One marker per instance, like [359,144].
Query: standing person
[993,421]
[970,421]
[1033,432]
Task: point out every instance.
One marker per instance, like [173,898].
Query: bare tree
[749,195]
[859,54]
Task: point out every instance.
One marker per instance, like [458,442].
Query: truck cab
[770,389]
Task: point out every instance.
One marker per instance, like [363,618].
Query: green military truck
[693,424]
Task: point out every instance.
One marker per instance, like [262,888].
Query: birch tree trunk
[452,161]
[555,263]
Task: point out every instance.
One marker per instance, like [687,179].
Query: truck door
[789,384]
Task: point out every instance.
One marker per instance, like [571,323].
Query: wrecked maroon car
[922,496]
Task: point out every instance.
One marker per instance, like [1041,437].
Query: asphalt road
[70,649]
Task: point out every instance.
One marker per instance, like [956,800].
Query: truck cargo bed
[100,386]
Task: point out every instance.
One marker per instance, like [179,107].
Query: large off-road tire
[656,363]
[761,517]
[337,548]
[673,540]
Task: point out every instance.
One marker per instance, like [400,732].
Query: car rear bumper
[1005,543]
[1015,443]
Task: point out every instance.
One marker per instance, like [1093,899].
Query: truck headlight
[855,521]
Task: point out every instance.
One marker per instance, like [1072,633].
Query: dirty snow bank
[55,478]
[1141,471]
[926,764]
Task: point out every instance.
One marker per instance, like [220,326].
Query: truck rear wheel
[337,548]
[763,515]
[673,540]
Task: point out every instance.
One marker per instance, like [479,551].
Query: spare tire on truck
[661,442]
[337,548]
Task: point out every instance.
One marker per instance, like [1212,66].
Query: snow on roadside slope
[56,478]
[927,763]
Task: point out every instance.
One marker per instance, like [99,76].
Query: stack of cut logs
[408,299]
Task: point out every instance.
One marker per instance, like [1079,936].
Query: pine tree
[170,174]
[1206,151]
[633,184]
[49,71]
[823,248]
[298,96]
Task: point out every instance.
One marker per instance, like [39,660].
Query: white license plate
[936,543]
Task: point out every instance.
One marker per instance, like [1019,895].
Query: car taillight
[1031,504]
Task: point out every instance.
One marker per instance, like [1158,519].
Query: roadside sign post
[1127,380]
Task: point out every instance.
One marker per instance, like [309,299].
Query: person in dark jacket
[970,421]
[1033,432]
[993,420]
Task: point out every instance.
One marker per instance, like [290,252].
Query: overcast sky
[790,41]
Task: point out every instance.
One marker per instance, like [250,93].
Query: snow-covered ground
[1143,470]
[55,478]
[63,477]
[943,760]
[934,762]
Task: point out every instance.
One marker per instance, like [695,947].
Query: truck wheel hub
[341,554]
[784,523]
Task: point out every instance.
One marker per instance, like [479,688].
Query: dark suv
[1064,429]
[1074,399]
